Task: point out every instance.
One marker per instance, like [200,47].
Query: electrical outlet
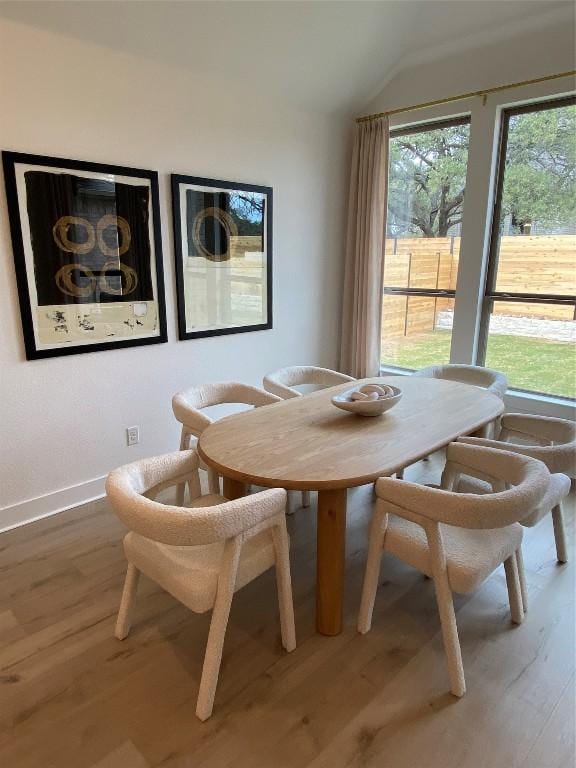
[132,435]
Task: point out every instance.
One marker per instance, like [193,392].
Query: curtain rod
[463,96]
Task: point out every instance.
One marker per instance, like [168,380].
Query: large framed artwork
[223,244]
[88,254]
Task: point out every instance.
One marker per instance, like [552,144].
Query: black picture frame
[177,183]
[22,257]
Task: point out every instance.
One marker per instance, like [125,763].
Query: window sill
[390,371]
[544,405]
[526,402]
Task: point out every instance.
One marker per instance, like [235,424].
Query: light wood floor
[72,696]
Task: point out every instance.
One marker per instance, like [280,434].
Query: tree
[247,210]
[427,180]
[540,171]
[428,175]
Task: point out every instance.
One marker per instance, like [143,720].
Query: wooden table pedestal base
[330,560]
[330,554]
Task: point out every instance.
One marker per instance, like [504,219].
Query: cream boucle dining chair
[550,440]
[457,539]
[201,554]
[476,375]
[284,381]
[189,404]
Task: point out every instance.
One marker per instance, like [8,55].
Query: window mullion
[475,232]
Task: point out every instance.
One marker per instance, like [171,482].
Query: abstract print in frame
[223,245]
[88,254]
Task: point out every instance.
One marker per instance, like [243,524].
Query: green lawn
[533,364]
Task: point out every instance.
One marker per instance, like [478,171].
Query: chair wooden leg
[218,624]
[305,498]
[291,503]
[514,589]
[372,573]
[522,577]
[128,595]
[446,611]
[214,482]
[184,439]
[184,445]
[450,637]
[180,494]
[284,582]
[560,534]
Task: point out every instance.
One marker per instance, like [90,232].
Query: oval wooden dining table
[306,443]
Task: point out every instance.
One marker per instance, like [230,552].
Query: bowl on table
[368,407]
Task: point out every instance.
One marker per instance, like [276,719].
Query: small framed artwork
[223,244]
[88,254]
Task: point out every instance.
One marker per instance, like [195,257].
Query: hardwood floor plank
[72,696]
[555,745]
[10,628]
[513,676]
[126,756]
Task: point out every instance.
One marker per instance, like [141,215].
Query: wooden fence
[534,264]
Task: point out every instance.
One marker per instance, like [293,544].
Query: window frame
[490,294]
[432,293]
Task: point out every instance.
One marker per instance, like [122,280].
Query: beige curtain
[363,272]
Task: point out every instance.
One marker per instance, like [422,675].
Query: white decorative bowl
[366,407]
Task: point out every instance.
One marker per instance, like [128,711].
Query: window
[427,178]
[528,322]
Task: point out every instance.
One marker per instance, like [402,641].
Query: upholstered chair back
[549,439]
[522,482]
[487,378]
[188,405]
[132,491]
[283,381]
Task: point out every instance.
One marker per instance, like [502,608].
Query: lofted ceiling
[323,54]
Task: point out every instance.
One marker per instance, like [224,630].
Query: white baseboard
[28,511]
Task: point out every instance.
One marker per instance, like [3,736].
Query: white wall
[62,420]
